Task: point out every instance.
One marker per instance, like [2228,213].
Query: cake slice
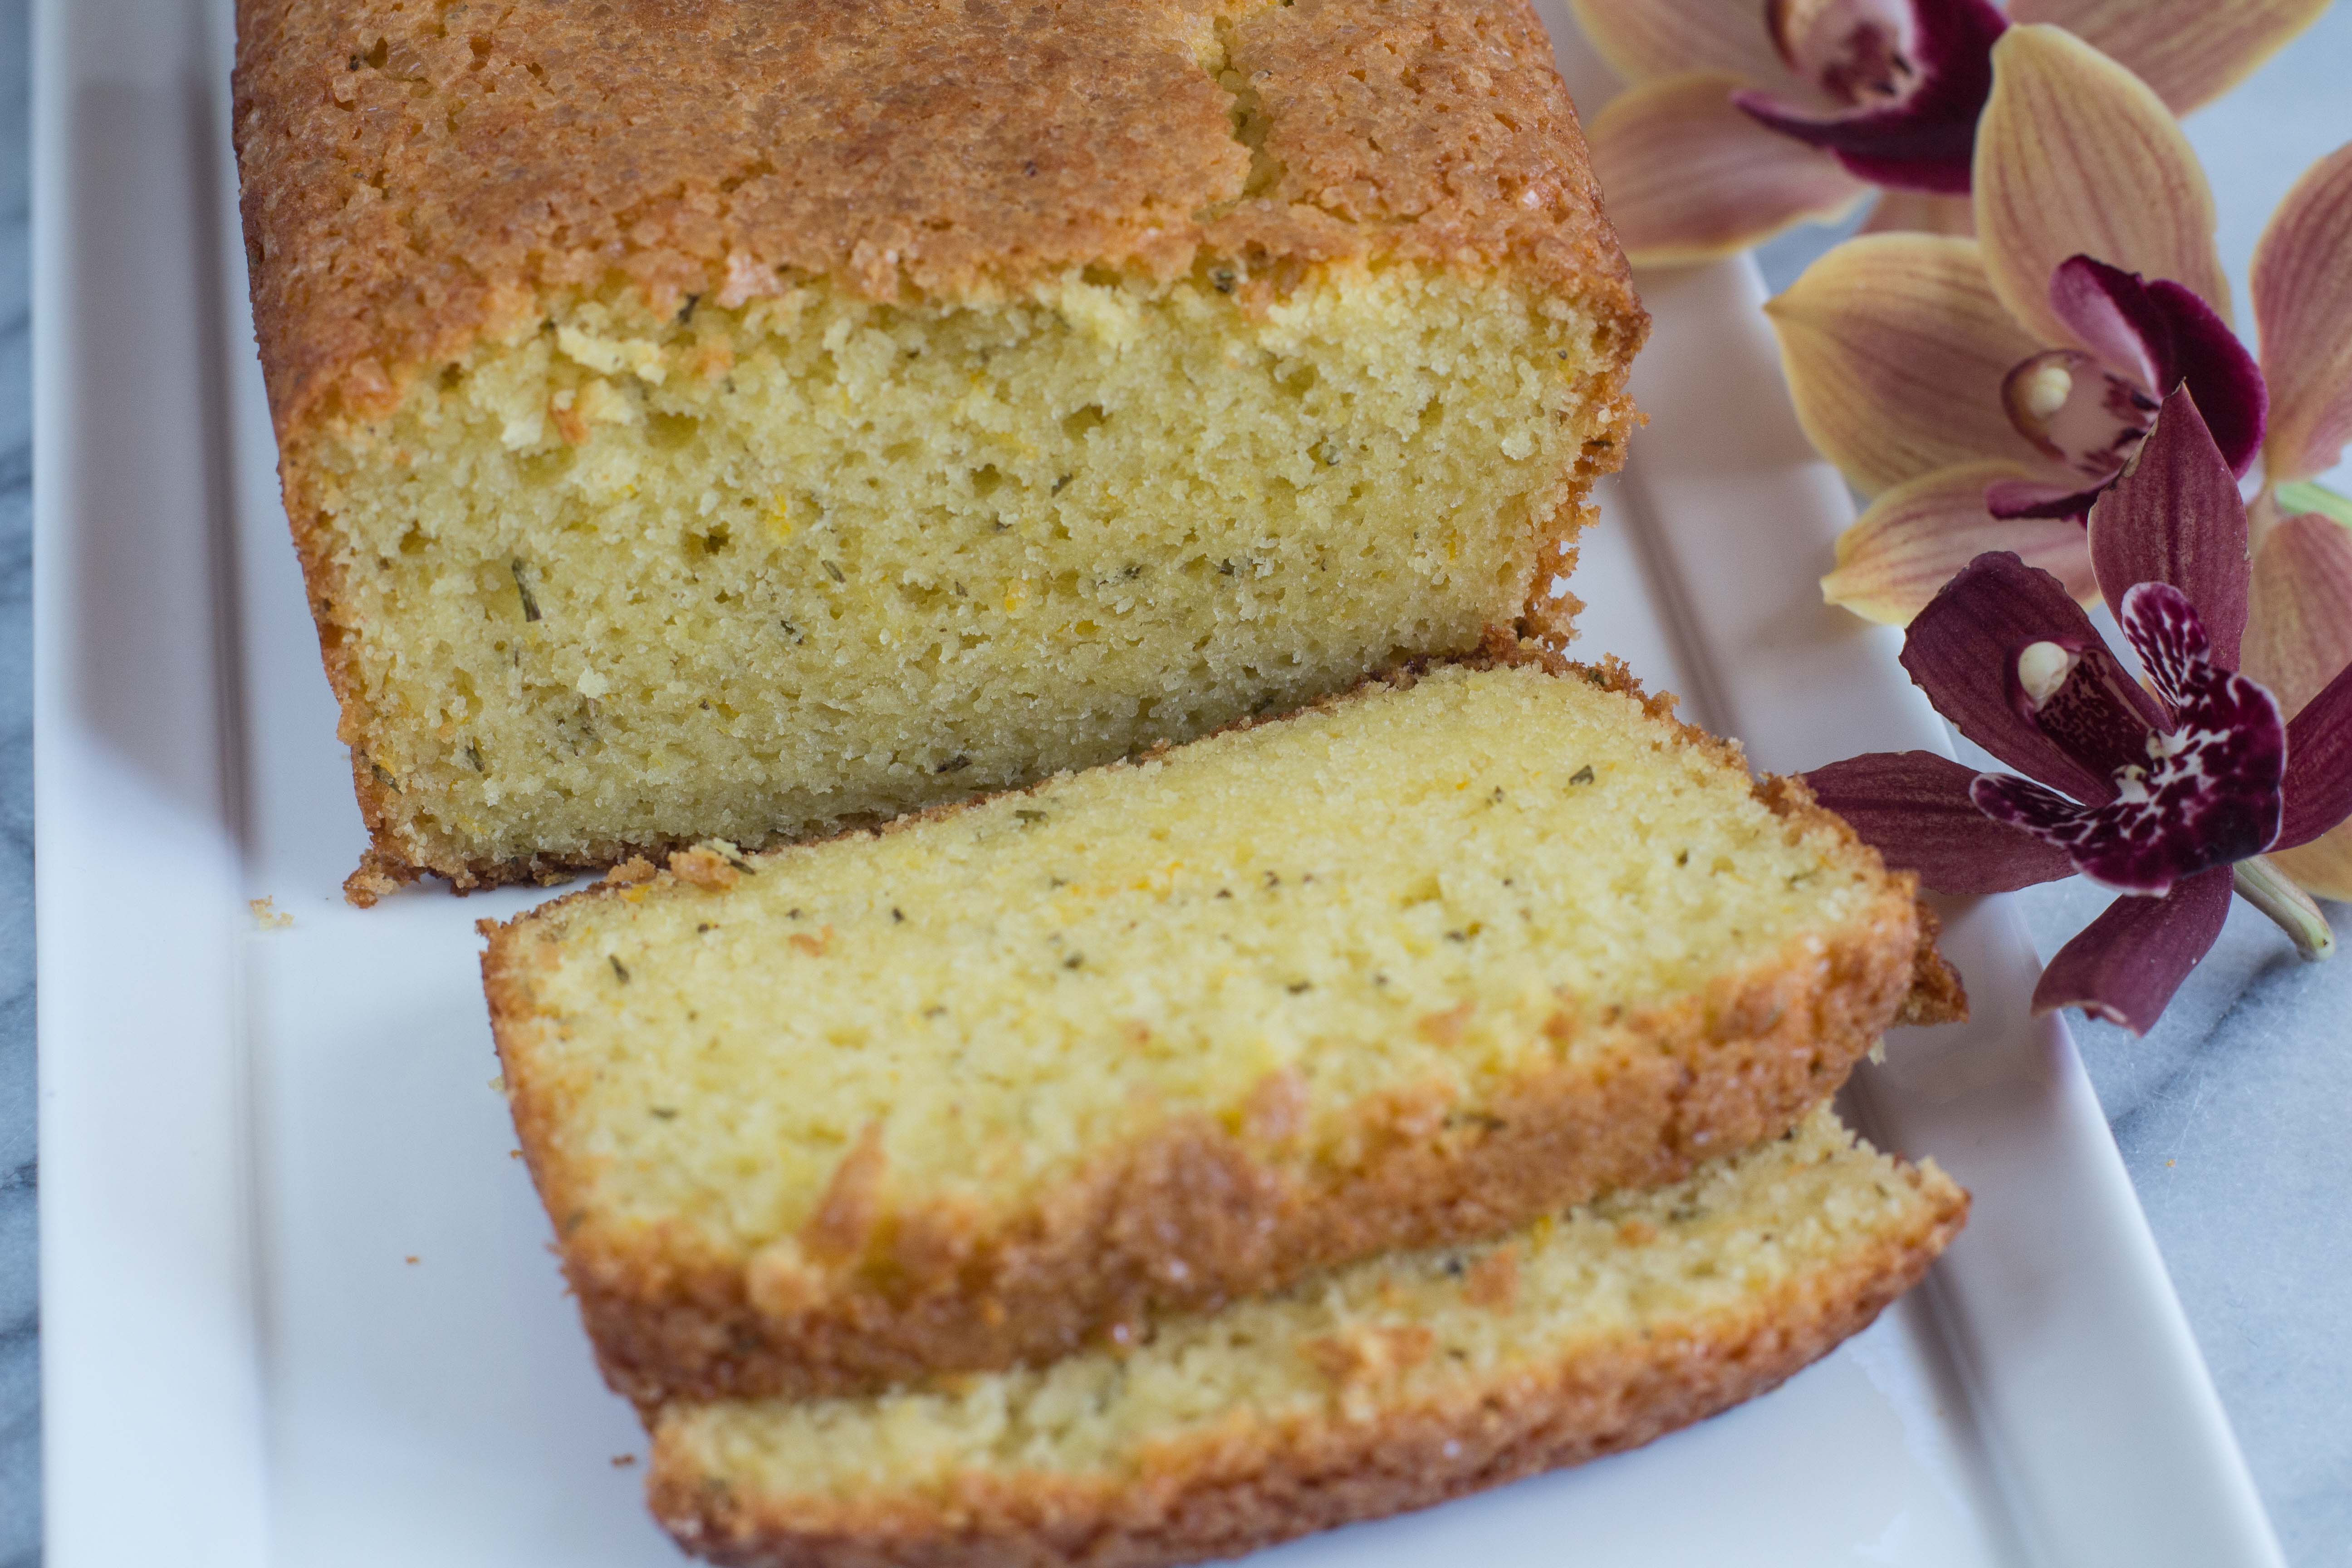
[1410,967]
[1398,1383]
[750,420]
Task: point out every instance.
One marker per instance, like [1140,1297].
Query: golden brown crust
[1659,1090]
[417,176]
[1252,1485]
[1937,995]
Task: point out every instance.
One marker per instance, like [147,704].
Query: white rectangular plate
[298,1304]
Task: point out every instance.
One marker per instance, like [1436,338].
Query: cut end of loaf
[764,572]
[1391,1385]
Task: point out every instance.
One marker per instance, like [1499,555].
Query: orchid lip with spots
[2088,411]
[2204,789]
[1908,79]
[1742,119]
[2172,794]
[1982,393]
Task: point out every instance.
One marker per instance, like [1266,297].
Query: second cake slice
[1410,967]
[1402,1380]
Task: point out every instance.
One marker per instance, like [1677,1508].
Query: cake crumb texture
[1411,966]
[955,394]
[1392,1384]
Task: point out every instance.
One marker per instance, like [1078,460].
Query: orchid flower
[1746,116]
[1983,390]
[2172,796]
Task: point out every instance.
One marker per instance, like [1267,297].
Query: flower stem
[2266,888]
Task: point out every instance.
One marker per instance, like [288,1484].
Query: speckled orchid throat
[2173,794]
[1902,82]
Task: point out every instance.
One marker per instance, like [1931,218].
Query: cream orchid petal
[1921,212]
[1895,352]
[2076,156]
[1916,536]
[2303,304]
[1646,40]
[2189,51]
[2298,634]
[2321,867]
[1687,177]
[2299,608]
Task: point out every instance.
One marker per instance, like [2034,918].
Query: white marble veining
[20,1384]
[2230,1115]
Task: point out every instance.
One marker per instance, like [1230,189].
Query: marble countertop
[2230,1115]
[20,1360]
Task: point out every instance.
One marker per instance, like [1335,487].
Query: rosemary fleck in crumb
[522,586]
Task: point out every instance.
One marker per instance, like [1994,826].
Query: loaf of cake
[1412,966]
[1401,1382]
[747,420]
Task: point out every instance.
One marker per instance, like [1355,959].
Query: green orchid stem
[2266,888]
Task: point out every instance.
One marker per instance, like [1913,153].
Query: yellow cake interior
[1433,1330]
[756,571]
[1401,892]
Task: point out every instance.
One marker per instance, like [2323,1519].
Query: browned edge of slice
[1197,1214]
[1221,1495]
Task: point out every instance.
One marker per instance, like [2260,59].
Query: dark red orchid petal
[2208,792]
[2318,783]
[1914,808]
[1916,89]
[2031,498]
[2022,803]
[2126,965]
[2109,310]
[2164,336]
[2175,517]
[2206,357]
[1962,651]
